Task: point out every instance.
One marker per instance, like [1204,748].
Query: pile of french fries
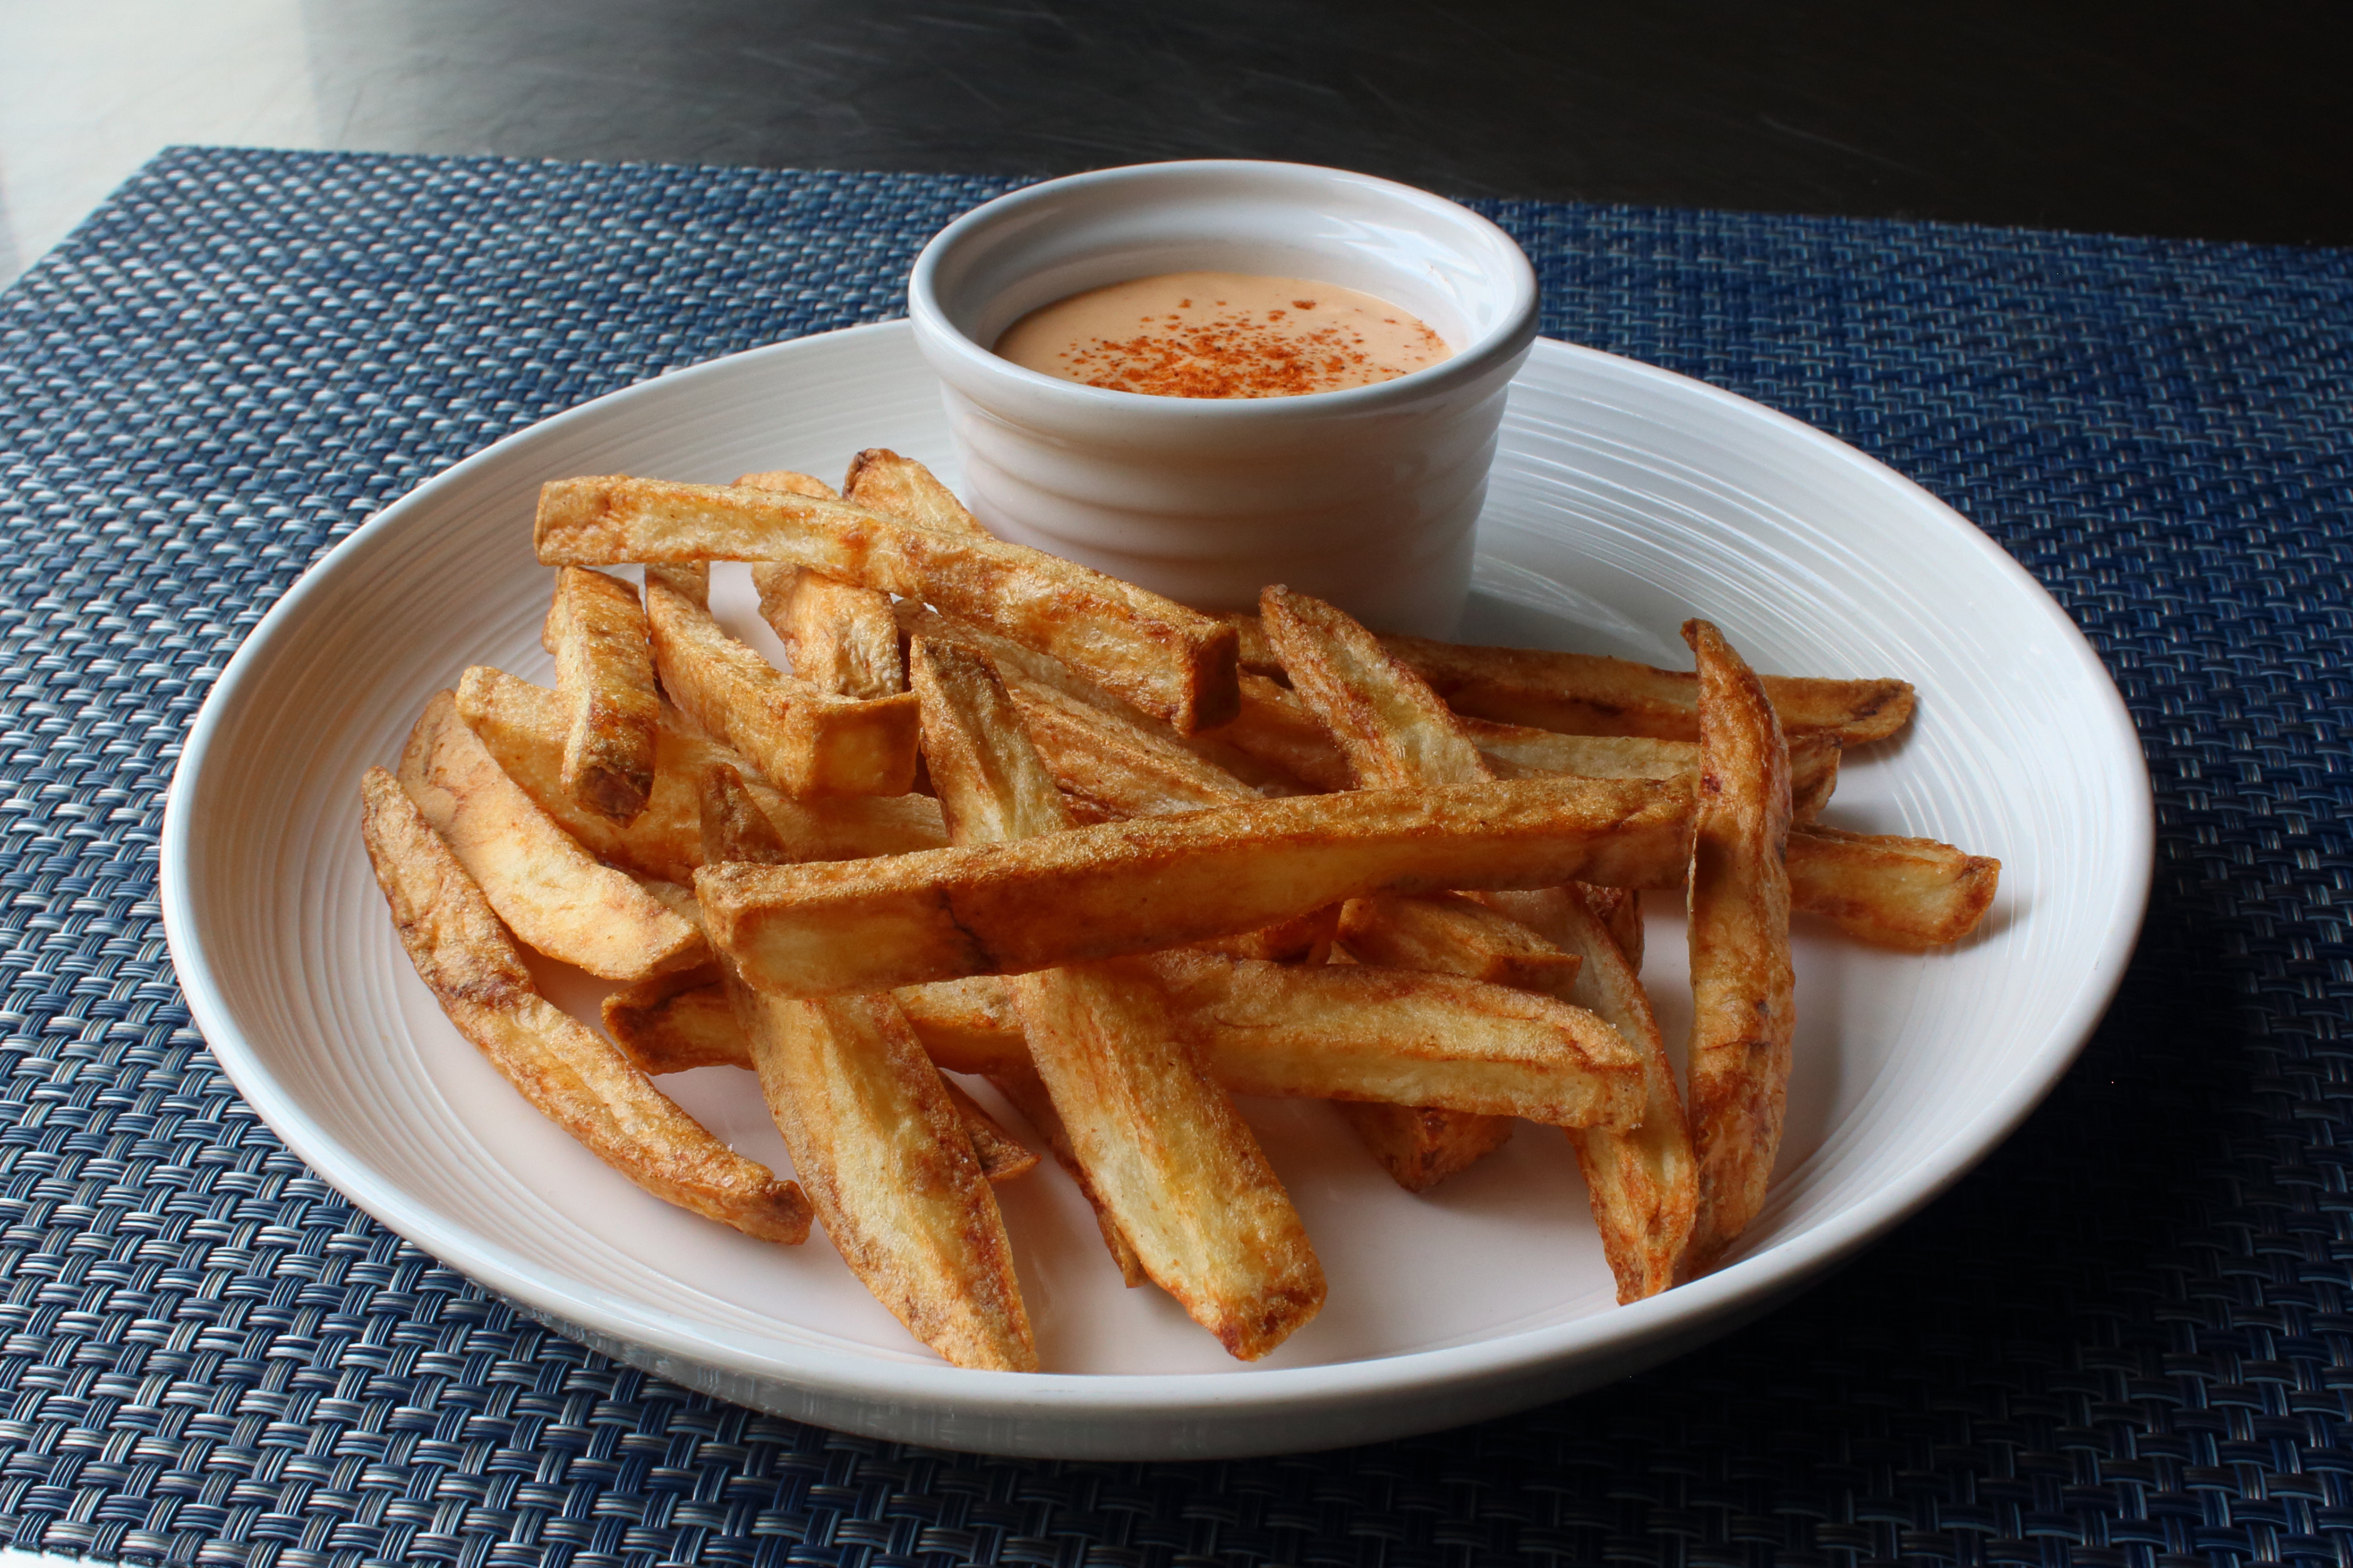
[1010,819]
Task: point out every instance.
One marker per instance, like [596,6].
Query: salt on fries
[1161,859]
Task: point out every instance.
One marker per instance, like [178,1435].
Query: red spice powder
[1234,354]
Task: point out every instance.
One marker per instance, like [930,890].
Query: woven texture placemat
[2124,1340]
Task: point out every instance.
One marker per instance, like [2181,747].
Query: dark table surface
[2201,122]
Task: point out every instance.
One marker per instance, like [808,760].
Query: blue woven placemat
[2124,1341]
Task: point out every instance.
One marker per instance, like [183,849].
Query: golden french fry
[891,1171]
[522,726]
[1584,694]
[1305,939]
[689,580]
[877,1142]
[550,891]
[1588,694]
[881,480]
[1743,996]
[1421,1145]
[804,740]
[1365,1033]
[1100,748]
[1447,933]
[605,672]
[584,1084]
[1275,729]
[1350,1032]
[1165,1155]
[1169,660]
[1020,1083]
[1515,751]
[1395,735]
[1642,1180]
[1904,892]
[1393,727]
[1002,1156]
[675,1023]
[1132,887]
[841,638]
[788,481]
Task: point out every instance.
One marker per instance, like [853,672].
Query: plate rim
[1678,1319]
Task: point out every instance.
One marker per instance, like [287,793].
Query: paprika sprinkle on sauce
[1222,334]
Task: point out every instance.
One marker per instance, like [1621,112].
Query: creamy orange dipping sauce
[1222,334]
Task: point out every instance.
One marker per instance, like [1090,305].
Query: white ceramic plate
[1625,499]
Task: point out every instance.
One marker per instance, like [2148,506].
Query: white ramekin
[1366,497]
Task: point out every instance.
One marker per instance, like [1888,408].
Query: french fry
[804,740]
[1446,933]
[1742,990]
[1350,1032]
[1276,728]
[841,638]
[1099,747]
[1904,892]
[877,1142]
[1018,1082]
[1584,694]
[522,726]
[1132,887]
[1002,1156]
[605,672]
[788,481]
[1164,1154]
[881,480]
[1395,735]
[584,1084]
[676,1023]
[1168,659]
[1515,751]
[1588,694]
[1642,1182]
[548,890]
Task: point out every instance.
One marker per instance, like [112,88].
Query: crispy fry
[807,742]
[788,481]
[1587,694]
[841,640]
[553,896]
[1583,694]
[1002,1156]
[1169,660]
[1276,729]
[581,1082]
[1100,748]
[1515,751]
[1165,1152]
[1352,1032]
[1446,933]
[676,1023]
[522,726]
[605,672]
[1641,1182]
[1020,1083]
[881,480]
[877,1142]
[689,580]
[1394,735]
[1132,887]
[1742,991]
[1904,892]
